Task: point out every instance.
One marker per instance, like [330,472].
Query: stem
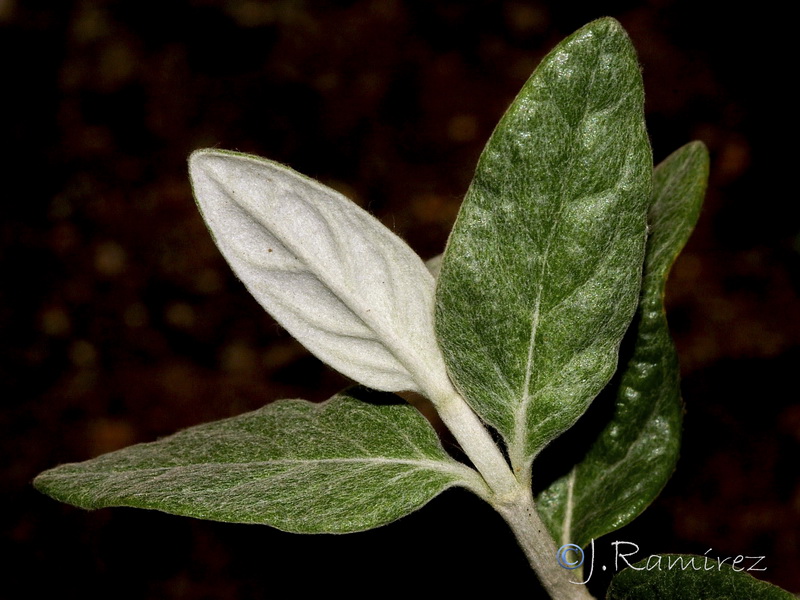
[511,498]
[478,445]
[463,423]
[539,547]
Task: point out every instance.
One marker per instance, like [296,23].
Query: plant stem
[510,497]
[539,547]
[478,445]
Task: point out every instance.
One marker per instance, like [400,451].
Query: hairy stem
[539,547]
[510,497]
[477,444]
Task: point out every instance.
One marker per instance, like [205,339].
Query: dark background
[121,323]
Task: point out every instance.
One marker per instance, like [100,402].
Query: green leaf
[682,576]
[634,456]
[541,274]
[341,466]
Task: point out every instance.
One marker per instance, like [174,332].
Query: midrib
[518,450]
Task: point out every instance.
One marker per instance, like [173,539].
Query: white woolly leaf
[338,280]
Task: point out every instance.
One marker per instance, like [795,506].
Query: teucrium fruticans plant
[548,267]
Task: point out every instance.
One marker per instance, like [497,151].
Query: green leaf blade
[340,466]
[635,454]
[681,576]
[541,274]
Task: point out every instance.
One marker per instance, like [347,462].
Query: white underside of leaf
[338,280]
[434,265]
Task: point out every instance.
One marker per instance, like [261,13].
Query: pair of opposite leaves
[539,282]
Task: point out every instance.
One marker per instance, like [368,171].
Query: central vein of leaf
[521,422]
[570,173]
[566,529]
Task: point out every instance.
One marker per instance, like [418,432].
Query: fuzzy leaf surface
[541,274]
[348,464]
[338,280]
[703,579]
[635,454]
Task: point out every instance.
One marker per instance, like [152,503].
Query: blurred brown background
[121,323]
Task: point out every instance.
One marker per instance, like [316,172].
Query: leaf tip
[38,483]
[197,157]
[610,22]
[605,25]
[44,484]
[201,162]
[699,149]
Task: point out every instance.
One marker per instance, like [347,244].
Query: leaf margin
[522,433]
[680,183]
[387,361]
[63,482]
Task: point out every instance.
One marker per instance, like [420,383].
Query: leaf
[681,576]
[434,265]
[635,454]
[338,280]
[347,464]
[542,270]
